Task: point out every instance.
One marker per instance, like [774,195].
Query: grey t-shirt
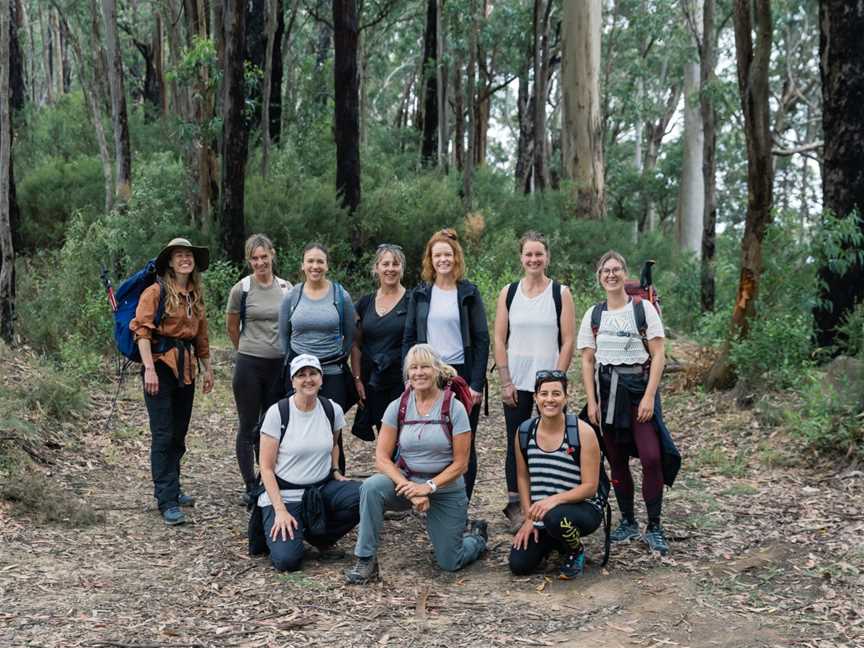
[315,326]
[260,336]
[425,446]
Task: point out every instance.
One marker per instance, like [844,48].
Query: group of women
[313,343]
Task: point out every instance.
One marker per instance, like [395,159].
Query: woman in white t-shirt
[624,365]
[304,456]
[532,333]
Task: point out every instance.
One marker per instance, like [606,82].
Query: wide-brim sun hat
[201,254]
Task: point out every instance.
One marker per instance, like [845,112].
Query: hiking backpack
[127,295]
[571,437]
[556,297]
[246,286]
[638,290]
[455,387]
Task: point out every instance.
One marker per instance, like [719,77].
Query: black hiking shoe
[572,567]
[655,539]
[364,570]
[627,530]
[513,512]
[479,528]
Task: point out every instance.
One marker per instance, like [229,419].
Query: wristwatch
[431,484]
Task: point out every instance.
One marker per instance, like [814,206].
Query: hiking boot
[479,528]
[173,516]
[245,499]
[328,553]
[627,530]
[572,567]
[655,539]
[185,500]
[364,570]
[513,512]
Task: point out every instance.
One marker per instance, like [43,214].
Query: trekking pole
[106,281]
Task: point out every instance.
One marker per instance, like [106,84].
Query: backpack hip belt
[182,346]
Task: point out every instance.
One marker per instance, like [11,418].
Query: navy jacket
[472,320]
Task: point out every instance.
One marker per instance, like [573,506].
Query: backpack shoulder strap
[284,416]
[639,313]
[283,285]
[289,328]
[526,428]
[572,433]
[245,287]
[160,309]
[597,316]
[446,406]
[403,409]
[511,295]
[363,304]
[339,305]
[329,412]
[559,306]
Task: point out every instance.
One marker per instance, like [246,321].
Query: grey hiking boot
[514,514]
[364,570]
[627,530]
[479,528]
[655,539]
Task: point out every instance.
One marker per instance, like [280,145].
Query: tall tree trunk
[709,155]
[119,116]
[277,72]
[346,121]
[582,136]
[458,116]
[441,90]
[525,145]
[56,53]
[45,37]
[470,95]
[7,251]
[753,85]
[429,149]
[150,91]
[159,62]
[235,133]
[691,192]
[322,54]
[256,53]
[841,52]
[270,30]
[540,175]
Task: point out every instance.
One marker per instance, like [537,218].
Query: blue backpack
[128,294]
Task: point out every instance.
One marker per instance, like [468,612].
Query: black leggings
[255,383]
[335,388]
[563,529]
[513,418]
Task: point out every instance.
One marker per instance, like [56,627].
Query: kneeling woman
[299,454]
[558,484]
[432,460]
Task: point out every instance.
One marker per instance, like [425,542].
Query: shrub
[218,281]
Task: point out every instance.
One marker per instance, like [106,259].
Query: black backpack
[255,532]
[571,436]
[556,297]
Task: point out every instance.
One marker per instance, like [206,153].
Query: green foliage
[50,194]
[218,281]
[64,131]
[852,332]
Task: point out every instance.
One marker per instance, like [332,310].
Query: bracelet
[358,379]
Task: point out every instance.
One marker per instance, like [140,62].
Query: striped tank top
[553,472]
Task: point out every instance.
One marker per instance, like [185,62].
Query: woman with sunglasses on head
[170,352]
[376,357]
[559,484]
[447,312]
[317,317]
[535,326]
[623,357]
[252,320]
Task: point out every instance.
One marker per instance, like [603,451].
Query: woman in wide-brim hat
[171,347]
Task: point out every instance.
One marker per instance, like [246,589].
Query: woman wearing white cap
[170,328]
[305,496]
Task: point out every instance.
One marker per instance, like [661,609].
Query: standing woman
[253,328]
[317,317]
[376,357]
[535,326]
[623,356]
[169,351]
[447,313]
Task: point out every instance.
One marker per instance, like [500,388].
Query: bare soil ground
[765,552]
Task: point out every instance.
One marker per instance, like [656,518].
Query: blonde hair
[259,240]
[451,238]
[173,303]
[611,254]
[425,353]
[388,248]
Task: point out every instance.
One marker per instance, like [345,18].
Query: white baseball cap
[304,360]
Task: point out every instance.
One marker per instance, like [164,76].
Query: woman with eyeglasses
[317,317]
[559,475]
[447,312]
[171,348]
[535,326]
[376,357]
[623,357]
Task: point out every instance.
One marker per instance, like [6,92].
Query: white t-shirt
[613,348]
[533,343]
[443,331]
[304,454]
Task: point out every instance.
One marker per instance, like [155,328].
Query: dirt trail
[762,555]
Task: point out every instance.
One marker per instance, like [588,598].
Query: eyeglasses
[608,272]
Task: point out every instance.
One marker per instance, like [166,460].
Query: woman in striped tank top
[557,484]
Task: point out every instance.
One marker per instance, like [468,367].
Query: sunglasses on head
[549,375]
[388,246]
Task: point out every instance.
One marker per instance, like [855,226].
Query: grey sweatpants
[445,521]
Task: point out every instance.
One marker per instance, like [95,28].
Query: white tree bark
[7,253]
[582,134]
